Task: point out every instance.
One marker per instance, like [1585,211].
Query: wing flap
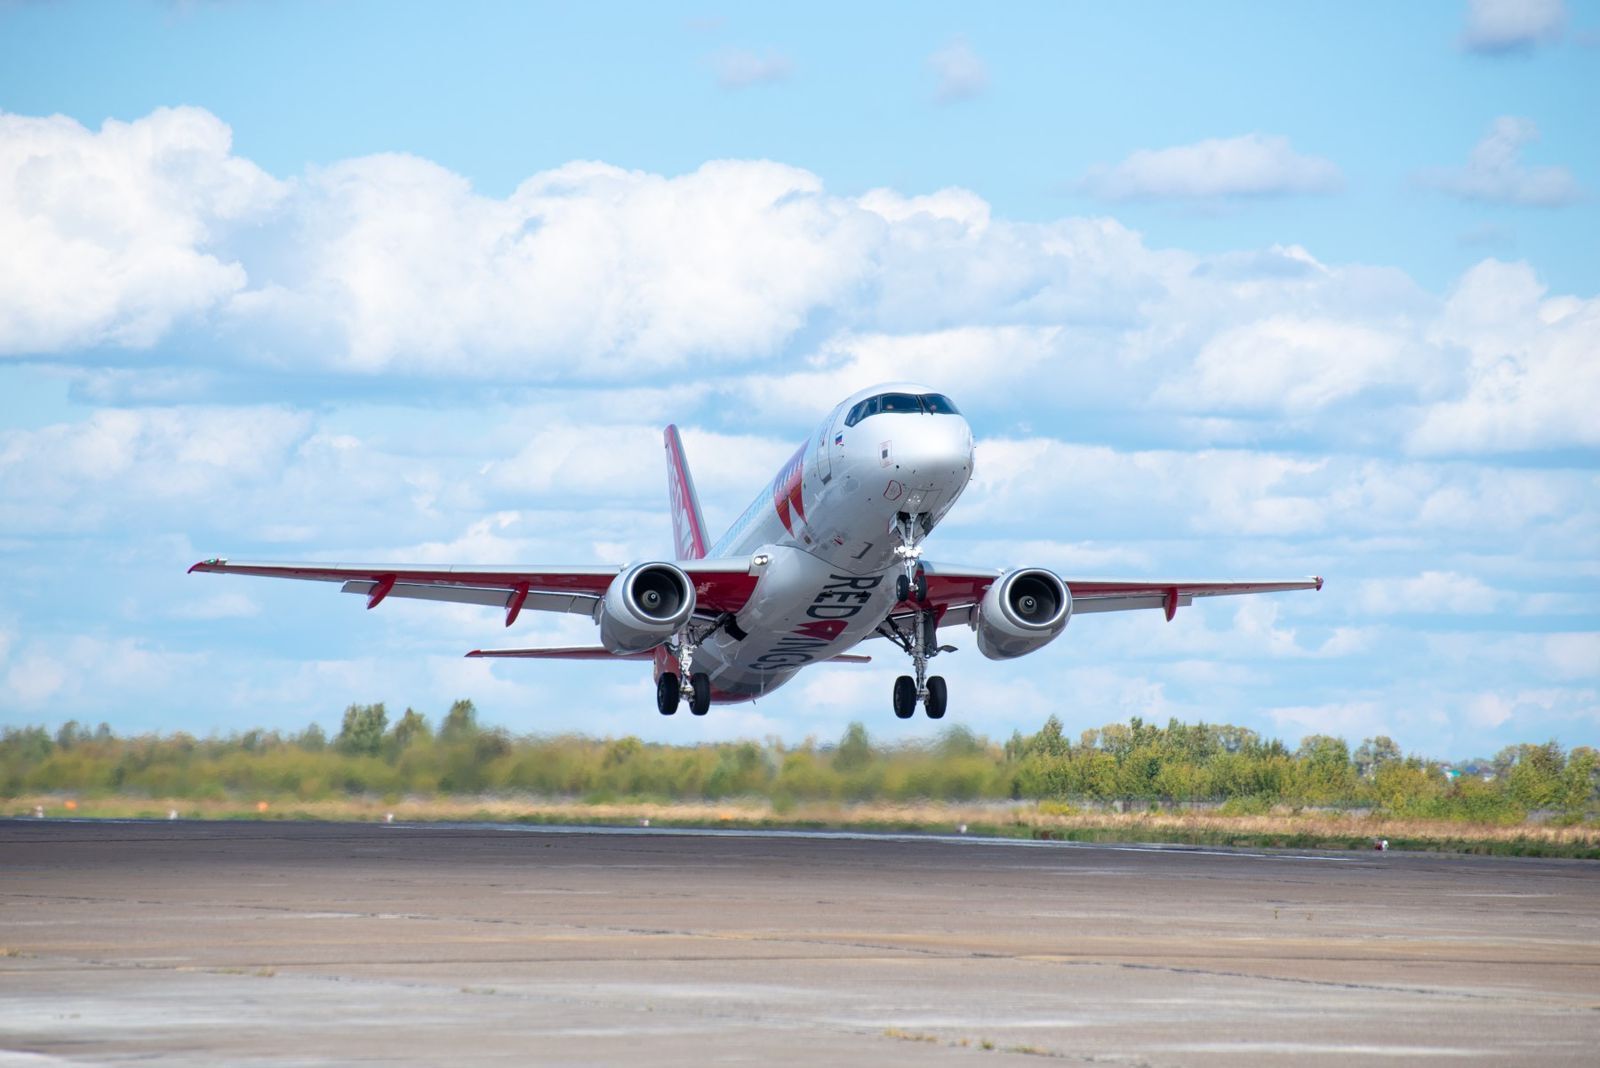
[957,588]
[568,652]
[722,585]
[1090,605]
[580,604]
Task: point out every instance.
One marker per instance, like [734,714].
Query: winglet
[1319,582]
[688,527]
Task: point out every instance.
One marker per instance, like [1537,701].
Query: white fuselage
[826,528]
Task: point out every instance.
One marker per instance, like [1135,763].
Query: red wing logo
[786,490]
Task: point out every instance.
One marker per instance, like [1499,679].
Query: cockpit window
[897,402]
[903,403]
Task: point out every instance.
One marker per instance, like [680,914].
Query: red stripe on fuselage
[787,490]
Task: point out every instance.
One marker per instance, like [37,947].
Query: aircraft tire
[667,693]
[938,696]
[902,589]
[905,697]
[919,587]
[700,697]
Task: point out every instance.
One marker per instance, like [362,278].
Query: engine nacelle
[644,606]
[1023,611]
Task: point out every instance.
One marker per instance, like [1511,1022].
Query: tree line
[1121,763]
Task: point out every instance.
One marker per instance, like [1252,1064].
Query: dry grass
[1321,825]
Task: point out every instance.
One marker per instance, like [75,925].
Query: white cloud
[73,475]
[1292,363]
[1350,720]
[1235,493]
[34,677]
[1531,379]
[1573,655]
[742,68]
[960,73]
[584,271]
[1500,26]
[106,670]
[394,265]
[217,606]
[1430,592]
[1494,710]
[960,206]
[1494,172]
[110,236]
[1252,165]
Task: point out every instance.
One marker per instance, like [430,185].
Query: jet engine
[1023,611]
[643,607]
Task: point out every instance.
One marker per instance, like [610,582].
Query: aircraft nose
[930,452]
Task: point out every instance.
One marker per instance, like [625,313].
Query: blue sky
[1225,290]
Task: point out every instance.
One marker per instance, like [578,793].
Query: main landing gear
[686,684]
[918,636]
[670,689]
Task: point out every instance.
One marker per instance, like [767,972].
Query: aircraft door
[824,460]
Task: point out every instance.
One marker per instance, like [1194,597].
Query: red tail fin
[688,528]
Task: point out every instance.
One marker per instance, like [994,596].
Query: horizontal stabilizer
[569,652]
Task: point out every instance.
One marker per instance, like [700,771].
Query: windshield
[903,403]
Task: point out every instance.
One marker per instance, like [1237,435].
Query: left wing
[954,588]
[719,585]
[597,652]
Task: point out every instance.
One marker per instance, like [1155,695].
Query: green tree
[362,731]
[1534,779]
[1325,768]
[1374,753]
[409,728]
[1049,741]
[854,750]
[460,722]
[1580,779]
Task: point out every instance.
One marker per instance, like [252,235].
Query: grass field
[1044,820]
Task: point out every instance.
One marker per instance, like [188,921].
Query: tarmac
[306,943]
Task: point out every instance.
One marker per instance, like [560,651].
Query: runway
[286,943]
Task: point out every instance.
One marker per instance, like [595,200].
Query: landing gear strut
[912,584]
[687,684]
[919,636]
[920,643]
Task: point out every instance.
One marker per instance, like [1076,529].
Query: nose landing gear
[920,638]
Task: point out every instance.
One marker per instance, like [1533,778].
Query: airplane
[826,557]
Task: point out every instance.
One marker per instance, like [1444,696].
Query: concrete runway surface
[282,943]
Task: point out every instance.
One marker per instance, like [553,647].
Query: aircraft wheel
[919,587]
[667,693]
[905,697]
[938,695]
[902,589]
[700,695]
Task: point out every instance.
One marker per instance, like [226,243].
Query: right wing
[957,588]
[719,585]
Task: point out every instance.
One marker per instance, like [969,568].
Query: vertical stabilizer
[688,528]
